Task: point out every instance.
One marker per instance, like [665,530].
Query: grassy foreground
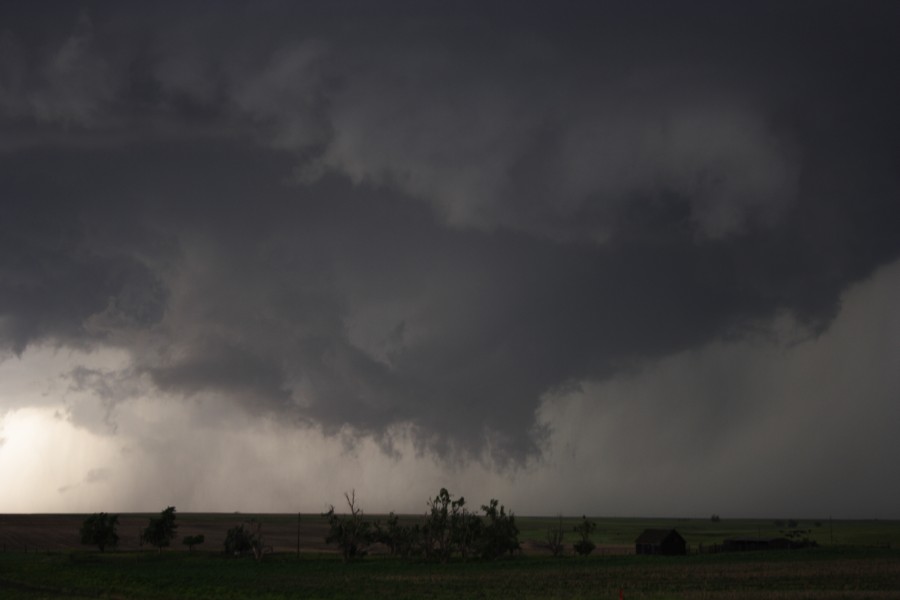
[855,560]
[839,572]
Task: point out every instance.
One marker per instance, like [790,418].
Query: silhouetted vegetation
[193,540]
[555,537]
[246,538]
[500,534]
[99,530]
[585,545]
[400,539]
[351,533]
[161,530]
[448,529]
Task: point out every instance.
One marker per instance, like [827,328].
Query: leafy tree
[468,532]
[444,525]
[500,534]
[161,530]
[555,538]
[257,543]
[193,540]
[401,540]
[585,546]
[352,533]
[99,530]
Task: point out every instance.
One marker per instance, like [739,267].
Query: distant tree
[500,534]
[257,543]
[99,530]
[555,537]
[193,540]
[715,518]
[352,533]
[161,530]
[444,525]
[468,532]
[585,546]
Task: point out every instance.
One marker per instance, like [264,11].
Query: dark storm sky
[355,217]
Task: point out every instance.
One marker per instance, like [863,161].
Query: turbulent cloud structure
[418,225]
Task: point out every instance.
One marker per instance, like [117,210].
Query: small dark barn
[660,541]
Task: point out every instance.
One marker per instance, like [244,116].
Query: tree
[99,530]
[240,540]
[585,546]
[445,526]
[161,530]
[352,533]
[400,539]
[555,537]
[500,534]
[193,540]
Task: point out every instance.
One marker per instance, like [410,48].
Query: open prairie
[42,558]
[60,532]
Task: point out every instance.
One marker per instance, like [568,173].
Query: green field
[864,562]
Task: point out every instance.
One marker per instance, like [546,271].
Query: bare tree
[555,537]
[352,533]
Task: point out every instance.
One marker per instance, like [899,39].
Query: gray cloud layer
[350,216]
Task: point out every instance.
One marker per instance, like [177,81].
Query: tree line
[447,529]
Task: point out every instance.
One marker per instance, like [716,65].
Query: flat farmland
[60,532]
[43,559]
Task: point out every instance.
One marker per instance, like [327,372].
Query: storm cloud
[369,219]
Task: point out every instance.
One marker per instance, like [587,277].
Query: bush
[585,546]
[238,541]
[193,540]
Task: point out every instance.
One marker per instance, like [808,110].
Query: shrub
[193,540]
[238,541]
[585,546]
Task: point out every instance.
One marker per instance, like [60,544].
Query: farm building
[660,541]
